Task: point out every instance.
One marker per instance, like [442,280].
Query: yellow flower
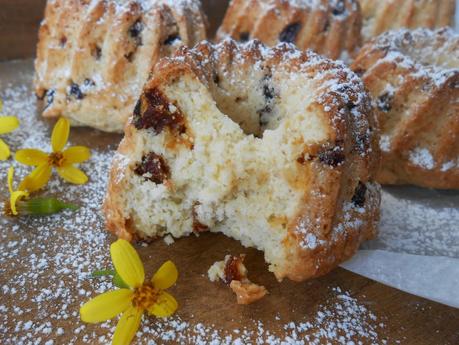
[15,195]
[132,302]
[7,124]
[63,161]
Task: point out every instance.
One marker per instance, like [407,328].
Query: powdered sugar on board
[343,321]
[418,221]
[48,262]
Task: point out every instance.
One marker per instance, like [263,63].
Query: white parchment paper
[417,249]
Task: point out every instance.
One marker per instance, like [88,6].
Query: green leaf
[119,282]
[102,273]
[43,206]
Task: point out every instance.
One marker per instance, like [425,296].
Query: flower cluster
[62,160]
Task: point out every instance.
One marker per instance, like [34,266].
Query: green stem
[102,273]
[43,206]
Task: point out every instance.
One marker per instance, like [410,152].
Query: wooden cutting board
[45,263]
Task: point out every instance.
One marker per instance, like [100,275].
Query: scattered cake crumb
[233,273]
[168,239]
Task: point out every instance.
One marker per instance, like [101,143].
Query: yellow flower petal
[127,326]
[10,179]
[14,198]
[127,263]
[166,276]
[76,154]
[8,124]
[165,306]
[4,150]
[60,134]
[31,157]
[106,306]
[37,179]
[72,174]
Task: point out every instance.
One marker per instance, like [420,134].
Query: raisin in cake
[329,27]
[413,77]
[380,16]
[93,57]
[273,147]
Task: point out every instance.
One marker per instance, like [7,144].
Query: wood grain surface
[405,319]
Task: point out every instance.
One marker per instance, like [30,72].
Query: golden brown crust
[341,201]
[413,77]
[381,16]
[116,221]
[94,56]
[327,27]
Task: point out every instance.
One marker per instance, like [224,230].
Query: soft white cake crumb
[168,239]
[216,271]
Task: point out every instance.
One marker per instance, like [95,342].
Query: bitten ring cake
[274,147]
[331,28]
[380,16]
[413,77]
[93,57]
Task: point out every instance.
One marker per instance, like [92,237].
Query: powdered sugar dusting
[418,221]
[422,158]
[341,320]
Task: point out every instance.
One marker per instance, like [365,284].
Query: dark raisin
[63,41]
[362,142]
[233,268]
[96,52]
[301,159]
[264,115]
[171,39]
[359,71]
[197,225]
[358,199]
[338,8]
[244,36]
[137,108]
[384,102]
[135,30]
[154,168]
[268,91]
[75,91]
[407,39]
[326,26]
[216,79]
[332,157]
[49,97]
[89,82]
[129,56]
[454,84]
[155,113]
[350,105]
[290,32]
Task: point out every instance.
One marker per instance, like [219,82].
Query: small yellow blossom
[63,161]
[15,195]
[42,206]
[132,302]
[7,124]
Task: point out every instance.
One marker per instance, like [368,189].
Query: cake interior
[240,175]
